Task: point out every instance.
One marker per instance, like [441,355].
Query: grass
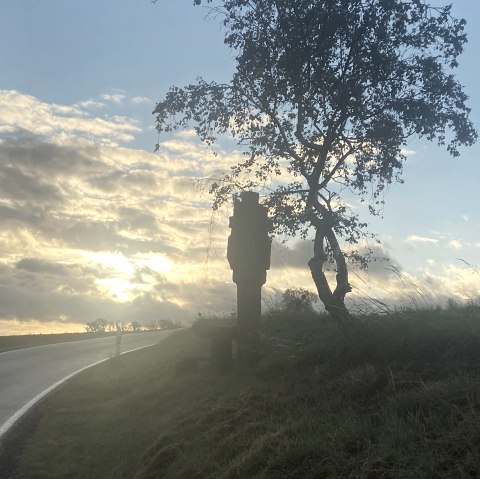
[400,398]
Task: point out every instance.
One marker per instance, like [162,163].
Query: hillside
[399,398]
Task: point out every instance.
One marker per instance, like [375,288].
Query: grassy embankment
[399,399]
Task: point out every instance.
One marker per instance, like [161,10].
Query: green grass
[399,398]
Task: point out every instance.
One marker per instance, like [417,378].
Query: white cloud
[415,239]
[19,112]
[407,152]
[455,244]
[187,134]
[113,97]
[137,100]
[86,104]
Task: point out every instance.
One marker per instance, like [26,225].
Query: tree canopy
[324,97]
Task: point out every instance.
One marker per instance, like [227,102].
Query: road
[27,375]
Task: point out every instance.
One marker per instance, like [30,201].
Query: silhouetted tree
[324,96]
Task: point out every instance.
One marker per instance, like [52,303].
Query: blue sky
[104,235]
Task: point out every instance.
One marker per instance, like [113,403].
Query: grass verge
[400,398]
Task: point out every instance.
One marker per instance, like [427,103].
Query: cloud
[35,265]
[87,104]
[415,240]
[430,286]
[455,244]
[407,152]
[113,97]
[295,256]
[20,112]
[137,100]
[93,229]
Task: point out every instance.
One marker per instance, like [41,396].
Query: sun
[118,289]
[118,278]
[154,261]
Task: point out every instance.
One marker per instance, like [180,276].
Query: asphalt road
[27,375]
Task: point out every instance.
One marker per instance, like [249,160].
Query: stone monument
[248,253]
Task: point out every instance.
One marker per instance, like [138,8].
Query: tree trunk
[334,302]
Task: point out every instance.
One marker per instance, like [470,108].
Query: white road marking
[15,417]
[136,349]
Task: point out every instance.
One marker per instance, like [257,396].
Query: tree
[136,327]
[110,327]
[324,96]
[167,323]
[97,326]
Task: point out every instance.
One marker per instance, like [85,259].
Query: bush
[296,300]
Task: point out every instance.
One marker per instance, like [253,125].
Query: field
[397,398]
[8,343]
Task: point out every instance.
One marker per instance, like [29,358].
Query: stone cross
[248,253]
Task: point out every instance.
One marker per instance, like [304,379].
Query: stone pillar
[248,254]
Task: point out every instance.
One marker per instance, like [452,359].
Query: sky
[95,223]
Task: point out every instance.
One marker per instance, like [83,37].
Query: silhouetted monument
[248,253]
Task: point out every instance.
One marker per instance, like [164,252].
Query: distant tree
[111,326]
[324,97]
[152,325]
[135,326]
[97,326]
[167,323]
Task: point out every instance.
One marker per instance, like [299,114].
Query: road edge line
[5,427]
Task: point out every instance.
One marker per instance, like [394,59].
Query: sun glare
[121,290]
[156,262]
[119,278]
[113,260]
[13,327]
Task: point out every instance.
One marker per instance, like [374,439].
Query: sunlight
[155,262]
[118,289]
[113,260]
[118,282]
[13,327]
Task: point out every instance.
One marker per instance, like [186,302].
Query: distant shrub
[298,300]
